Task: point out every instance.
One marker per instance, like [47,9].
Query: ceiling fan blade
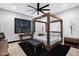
[34,12]
[30,10]
[46,9]
[31,7]
[38,6]
[42,12]
[44,6]
[38,12]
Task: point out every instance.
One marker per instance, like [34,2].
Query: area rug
[59,50]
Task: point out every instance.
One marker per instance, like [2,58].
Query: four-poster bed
[47,38]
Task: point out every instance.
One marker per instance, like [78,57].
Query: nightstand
[70,41]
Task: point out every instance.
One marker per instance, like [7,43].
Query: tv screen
[22,25]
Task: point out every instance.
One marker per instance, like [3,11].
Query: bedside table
[74,42]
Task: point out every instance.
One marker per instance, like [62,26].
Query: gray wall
[7,23]
[70,16]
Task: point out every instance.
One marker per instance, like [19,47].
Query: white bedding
[43,39]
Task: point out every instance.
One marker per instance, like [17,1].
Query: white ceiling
[59,7]
[22,7]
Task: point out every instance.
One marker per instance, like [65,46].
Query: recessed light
[13,7]
[64,5]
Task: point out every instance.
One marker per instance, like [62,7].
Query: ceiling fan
[38,8]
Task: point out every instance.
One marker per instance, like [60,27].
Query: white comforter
[43,39]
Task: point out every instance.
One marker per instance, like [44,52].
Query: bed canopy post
[61,30]
[48,29]
[47,24]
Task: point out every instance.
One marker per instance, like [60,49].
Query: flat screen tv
[22,25]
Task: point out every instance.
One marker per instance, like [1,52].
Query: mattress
[43,39]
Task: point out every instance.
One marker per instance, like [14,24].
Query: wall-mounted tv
[22,25]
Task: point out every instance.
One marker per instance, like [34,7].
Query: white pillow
[55,34]
[26,37]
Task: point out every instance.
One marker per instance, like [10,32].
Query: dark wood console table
[74,42]
[21,35]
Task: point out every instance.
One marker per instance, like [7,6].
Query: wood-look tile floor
[15,50]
